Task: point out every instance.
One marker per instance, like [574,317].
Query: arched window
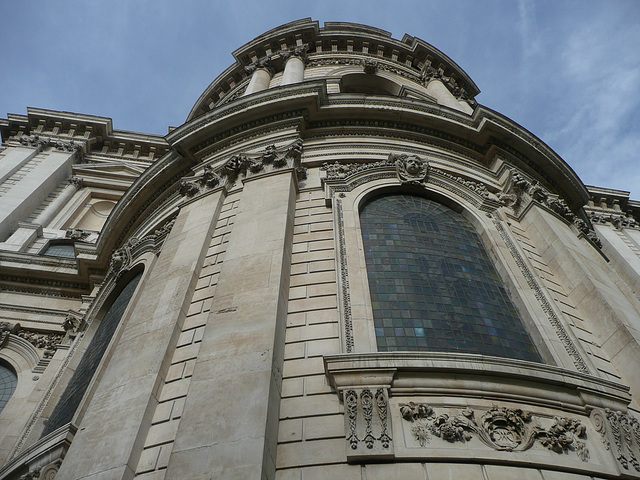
[433,286]
[8,383]
[70,400]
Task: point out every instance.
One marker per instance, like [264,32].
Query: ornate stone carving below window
[501,428]
[367,423]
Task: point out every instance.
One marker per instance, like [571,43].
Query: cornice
[95,134]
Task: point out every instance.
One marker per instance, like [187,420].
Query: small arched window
[66,407]
[433,286]
[8,383]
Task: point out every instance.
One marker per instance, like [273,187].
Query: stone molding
[42,460]
[125,257]
[542,299]
[506,405]
[465,374]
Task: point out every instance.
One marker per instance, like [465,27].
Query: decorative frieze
[123,258]
[501,428]
[410,169]
[245,165]
[519,192]
[621,435]
[47,341]
[367,422]
[616,219]
[43,142]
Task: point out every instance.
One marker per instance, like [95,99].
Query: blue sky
[568,71]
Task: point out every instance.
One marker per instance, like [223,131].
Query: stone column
[60,201]
[260,80]
[293,71]
[229,424]
[119,413]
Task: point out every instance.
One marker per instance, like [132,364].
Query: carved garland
[501,428]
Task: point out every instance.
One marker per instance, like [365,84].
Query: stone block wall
[171,399]
[311,419]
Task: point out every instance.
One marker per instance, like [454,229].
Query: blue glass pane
[8,383]
[433,286]
[72,395]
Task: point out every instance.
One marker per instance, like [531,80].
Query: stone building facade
[340,266]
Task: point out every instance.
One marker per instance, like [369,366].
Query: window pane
[8,384]
[71,397]
[433,286]
[64,250]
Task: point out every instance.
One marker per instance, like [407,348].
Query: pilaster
[118,416]
[229,424]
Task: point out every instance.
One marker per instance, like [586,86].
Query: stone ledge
[471,375]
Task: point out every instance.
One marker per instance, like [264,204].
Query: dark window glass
[71,397]
[8,384]
[64,250]
[433,286]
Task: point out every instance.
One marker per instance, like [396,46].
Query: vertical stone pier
[129,385]
[229,425]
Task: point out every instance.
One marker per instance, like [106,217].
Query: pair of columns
[261,77]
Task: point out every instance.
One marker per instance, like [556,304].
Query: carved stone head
[410,168]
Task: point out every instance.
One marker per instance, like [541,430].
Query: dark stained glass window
[433,286]
[8,384]
[72,395]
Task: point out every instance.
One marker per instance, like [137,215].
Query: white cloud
[594,132]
